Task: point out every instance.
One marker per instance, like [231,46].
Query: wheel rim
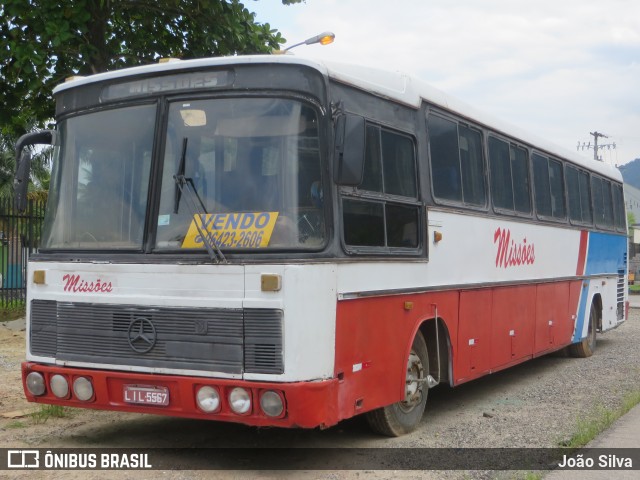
[414,383]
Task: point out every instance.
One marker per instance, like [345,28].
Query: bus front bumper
[303,404]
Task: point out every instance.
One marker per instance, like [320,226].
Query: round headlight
[35,383]
[208,399]
[271,404]
[82,389]
[240,400]
[59,386]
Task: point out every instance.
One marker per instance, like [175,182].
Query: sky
[559,69]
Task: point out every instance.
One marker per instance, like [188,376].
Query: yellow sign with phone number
[232,230]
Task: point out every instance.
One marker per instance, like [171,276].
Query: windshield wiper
[186,188]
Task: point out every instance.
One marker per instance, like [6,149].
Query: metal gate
[19,238]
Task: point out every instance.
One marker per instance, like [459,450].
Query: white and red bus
[274,241]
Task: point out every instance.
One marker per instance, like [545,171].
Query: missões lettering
[510,253]
[75,283]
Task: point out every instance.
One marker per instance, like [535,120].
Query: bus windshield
[253,166]
[100,180]
[250,167]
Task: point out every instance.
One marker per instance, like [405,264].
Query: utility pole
[596,147]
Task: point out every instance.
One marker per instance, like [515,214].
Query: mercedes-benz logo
[141,335]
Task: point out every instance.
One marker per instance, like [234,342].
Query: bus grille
[204,339]
[620,294]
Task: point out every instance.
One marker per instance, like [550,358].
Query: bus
[278,241]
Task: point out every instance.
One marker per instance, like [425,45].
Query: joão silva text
[604,461]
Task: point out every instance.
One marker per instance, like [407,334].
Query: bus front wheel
[404,416]
[586,347]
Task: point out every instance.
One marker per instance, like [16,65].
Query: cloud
[557,68]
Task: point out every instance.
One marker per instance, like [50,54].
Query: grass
[599,420]
[14,309]
[48,411]
[16,424]
[634,288]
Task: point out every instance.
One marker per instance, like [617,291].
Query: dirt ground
[536,404]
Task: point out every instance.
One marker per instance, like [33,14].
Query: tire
[404,416]
[587,346]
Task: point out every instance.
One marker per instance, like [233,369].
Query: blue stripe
[582,308]
[606,253]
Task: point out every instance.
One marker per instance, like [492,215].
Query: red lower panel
[489,329]
[373,340]
[308,404]
[474,335]
[512,326]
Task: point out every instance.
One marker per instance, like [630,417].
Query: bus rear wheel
[586,347]
[404,416]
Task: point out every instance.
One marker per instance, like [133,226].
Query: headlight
[59,386]
[208,399]
[271,403]
[240,400]
[35,383]
[82,389]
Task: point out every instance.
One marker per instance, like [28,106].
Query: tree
[44,41]
[40,162]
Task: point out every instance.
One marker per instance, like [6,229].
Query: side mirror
[21,182]
[23,163]
[349,150]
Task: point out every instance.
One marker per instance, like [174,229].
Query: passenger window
[385,211]
[390,163]
[585,197]
[399,164]
[579,195]
[363,223]
[457,165]
[556,182]
[521,183]
[509,176]
[372,174]
[598,206]
[541,185]
[445,163]
[549,187]
[607,203]
[618,204]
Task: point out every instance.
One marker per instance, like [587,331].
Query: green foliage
[48,411]
[599,420]
[40,166]
[16,424]
[14,309]
[44,41]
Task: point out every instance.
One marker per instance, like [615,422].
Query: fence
[19,238]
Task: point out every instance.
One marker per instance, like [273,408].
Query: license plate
[146,395]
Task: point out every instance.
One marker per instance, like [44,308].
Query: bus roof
[394,85]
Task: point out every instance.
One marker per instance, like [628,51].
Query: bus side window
[445,164]
[579,195]
[509,168]
[386,210]
[457,163]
